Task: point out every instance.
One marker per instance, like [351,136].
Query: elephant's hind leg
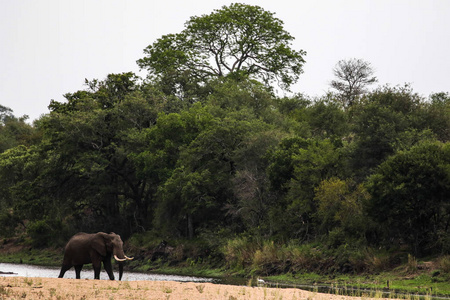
[78,271]
[64,268]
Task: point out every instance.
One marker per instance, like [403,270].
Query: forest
[213,149]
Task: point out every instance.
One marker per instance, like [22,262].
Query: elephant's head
[111,244]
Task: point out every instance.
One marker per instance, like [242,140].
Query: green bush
[145,240]
[8,223]
[47,232]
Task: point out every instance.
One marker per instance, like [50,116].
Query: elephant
[84,248]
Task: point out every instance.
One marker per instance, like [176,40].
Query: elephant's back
[80,235]
[77,249]
[78,240]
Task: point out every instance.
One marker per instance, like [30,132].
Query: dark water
[38,271]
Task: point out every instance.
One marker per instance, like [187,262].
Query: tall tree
[381,120]
[327,119]
[437,116]
[340,209]
[352,78]
[297,167]
[409,197]
[15,131]
[5,113]
[93,135]
[238,40]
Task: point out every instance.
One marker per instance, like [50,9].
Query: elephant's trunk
[118,254]
[120,270]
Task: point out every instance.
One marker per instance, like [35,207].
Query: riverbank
[412,278]
[48,288]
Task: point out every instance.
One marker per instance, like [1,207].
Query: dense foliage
[237,41]
[234,166]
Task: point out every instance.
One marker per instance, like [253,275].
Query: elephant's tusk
[129,258]
[119,259]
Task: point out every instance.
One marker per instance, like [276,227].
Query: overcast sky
[48,47]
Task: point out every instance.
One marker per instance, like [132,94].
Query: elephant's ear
[99,243]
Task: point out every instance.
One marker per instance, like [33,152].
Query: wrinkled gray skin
[95,248]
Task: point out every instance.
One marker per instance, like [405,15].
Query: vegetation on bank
[206,155]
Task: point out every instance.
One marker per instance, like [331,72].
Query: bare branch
[352,78]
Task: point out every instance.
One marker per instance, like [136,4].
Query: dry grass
[49,288]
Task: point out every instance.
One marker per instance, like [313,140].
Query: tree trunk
[190,226]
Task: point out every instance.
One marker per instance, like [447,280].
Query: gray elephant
[84,248]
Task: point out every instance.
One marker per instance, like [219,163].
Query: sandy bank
[54,288]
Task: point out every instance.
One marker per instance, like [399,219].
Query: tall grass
[304,257]
[411,266]
[239,252]
[270,258]
[376,261]
[444,264]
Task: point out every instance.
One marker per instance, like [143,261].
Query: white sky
[48,47]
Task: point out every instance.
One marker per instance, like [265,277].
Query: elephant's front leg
[108,267]
[97,265]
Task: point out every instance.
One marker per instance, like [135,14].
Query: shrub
[269,259]
[303,257]
[376,261]
[146,240]
[46,232]
[411,266]
[239,252]
[8,223]
[444,263]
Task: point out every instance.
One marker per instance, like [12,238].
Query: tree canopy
[236,40]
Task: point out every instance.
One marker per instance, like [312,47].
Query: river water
[39,271]
[53,272]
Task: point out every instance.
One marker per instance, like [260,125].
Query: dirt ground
[54,288]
